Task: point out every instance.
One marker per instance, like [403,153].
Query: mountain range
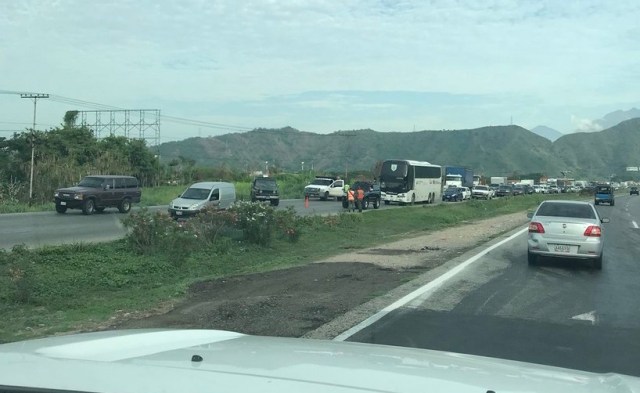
[490,151]
[585,125]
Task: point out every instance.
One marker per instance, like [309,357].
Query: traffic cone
[306,201]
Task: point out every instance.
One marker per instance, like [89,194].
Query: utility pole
[35,97]
[349,135]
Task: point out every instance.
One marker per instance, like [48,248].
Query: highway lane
[560,314]
[50,228]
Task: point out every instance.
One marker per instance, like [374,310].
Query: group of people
[355,198]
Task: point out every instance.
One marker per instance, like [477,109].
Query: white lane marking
[589,316]
[635,224]
[428,288]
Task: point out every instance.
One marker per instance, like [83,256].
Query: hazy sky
[323,65]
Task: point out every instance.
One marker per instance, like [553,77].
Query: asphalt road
[50,228]
[560,314]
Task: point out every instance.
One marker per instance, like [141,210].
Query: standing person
[360,198]
[351,200]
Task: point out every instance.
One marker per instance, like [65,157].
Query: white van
[201,195]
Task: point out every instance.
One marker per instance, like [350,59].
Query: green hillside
[497,150]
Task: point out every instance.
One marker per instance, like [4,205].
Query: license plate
[63,203]
[562,248]
[178,213]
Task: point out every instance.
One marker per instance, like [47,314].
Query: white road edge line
[429,287]
[635,224]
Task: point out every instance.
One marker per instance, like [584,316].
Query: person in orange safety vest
[351,198]
[360,198]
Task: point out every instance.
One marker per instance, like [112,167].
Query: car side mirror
[529,214]
[604,220]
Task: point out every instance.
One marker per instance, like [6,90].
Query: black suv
[265,189]
[372,194]
[95,193]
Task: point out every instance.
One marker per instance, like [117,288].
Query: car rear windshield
[566,210]
[604,190]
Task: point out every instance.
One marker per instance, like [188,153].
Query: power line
[170,119]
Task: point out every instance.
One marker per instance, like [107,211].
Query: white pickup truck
[482,192]
[324,188]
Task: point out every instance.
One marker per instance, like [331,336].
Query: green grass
[65,288]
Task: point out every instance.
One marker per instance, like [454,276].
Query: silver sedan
[566,229]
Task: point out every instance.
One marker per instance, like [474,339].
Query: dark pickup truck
[604,194]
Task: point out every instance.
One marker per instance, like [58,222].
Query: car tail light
[593,230]
[536,227]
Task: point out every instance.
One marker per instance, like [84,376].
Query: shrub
[256,220]
[153,232]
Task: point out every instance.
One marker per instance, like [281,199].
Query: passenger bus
[407,181]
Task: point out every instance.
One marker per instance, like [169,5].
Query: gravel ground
[325,298]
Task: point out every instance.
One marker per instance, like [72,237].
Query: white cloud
[585,125]
[136,54]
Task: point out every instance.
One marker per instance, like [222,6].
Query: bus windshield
[394,170]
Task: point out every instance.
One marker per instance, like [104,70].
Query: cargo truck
[458,176]
[499,180]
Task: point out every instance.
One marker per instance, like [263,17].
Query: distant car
[95,193]
[482,192]
[504,190]
[553,190]
[265,189]
[466,192]
[519,190]
[633,191]
[200,196]
[566,229]
[453,194]
[604,194]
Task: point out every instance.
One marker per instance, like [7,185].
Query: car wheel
[61,209]
[532,259]
[387,202]
[365,204]
[275,202]
[376,203]
[612,203]
[326,196]
[345,203]
[88,207]
[413,199]
[596,203]
[125,205]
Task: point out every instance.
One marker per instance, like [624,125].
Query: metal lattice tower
[130,123]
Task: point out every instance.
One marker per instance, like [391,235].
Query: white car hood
[187,202]
[217,361]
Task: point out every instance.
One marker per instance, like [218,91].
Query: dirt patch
[292,302]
